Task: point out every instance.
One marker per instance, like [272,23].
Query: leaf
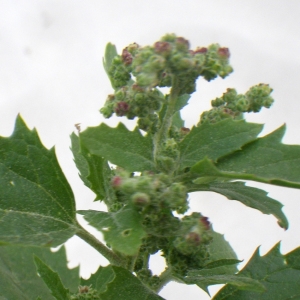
[52,280]
[222,260]
[273,270]
[266,160]
[100,279]
[203,278]
[252,197]
[122,230]
[181,102]
[37,205]
[216,140]
[126,286]
[127,149]
[110,53]
[94,171]
[18,274]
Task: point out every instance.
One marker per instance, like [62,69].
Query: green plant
[144,177]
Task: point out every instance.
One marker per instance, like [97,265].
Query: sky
[51,73]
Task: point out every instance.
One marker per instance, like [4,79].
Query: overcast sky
[51,73]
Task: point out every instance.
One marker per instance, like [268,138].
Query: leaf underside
[122,230]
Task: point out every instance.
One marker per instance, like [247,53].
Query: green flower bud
[140,199]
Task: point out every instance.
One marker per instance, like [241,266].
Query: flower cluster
[233,105]
[85,293]
[138,72]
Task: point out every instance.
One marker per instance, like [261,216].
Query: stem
[162,134]
[113,258]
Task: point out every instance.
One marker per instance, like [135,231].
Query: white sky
[51,72]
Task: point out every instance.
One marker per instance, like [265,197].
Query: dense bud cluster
[190,247]
[151,193]
[160,65]
[233,105]
[85,293]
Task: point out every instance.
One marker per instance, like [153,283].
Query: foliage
[144,177]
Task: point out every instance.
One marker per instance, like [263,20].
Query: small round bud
[193,238]
[116,182]
[121,108]
[205,222]
[201,50]
[224,52]
[140,199]
[126,57]
[163,48]
[182,44]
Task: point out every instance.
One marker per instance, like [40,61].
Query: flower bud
[126,57]
[205,222]
[163,48]
[116,182]
[182,44]
[193,238]
[140,199]
[121,108]
[224,52]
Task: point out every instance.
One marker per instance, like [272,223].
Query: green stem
[162,134]
[113,258]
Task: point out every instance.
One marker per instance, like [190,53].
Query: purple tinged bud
[121,108]
[126,56]
[224,52]
[193,238]
[201,50]
[116,182]
[182,43]
[162,48]
[205,222]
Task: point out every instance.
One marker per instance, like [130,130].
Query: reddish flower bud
[162,48]
[116,181]
[126,57]
[224,52]
[182,43]
[200,50]
[184,130]
[205,222]
[122,108]
[193,238]
[136,87]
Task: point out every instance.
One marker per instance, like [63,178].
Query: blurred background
[51,73]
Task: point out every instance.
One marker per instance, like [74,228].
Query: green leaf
[181,102]
[52,280]
[36,202]
[94,171]
[222,261]
[266,160]
[293,259]
[100,279]
[126,286]
[122,230]
[127,149]
[177,120]
[280,278]
[252,197]
[110,53]
[216,140]
[18,274]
